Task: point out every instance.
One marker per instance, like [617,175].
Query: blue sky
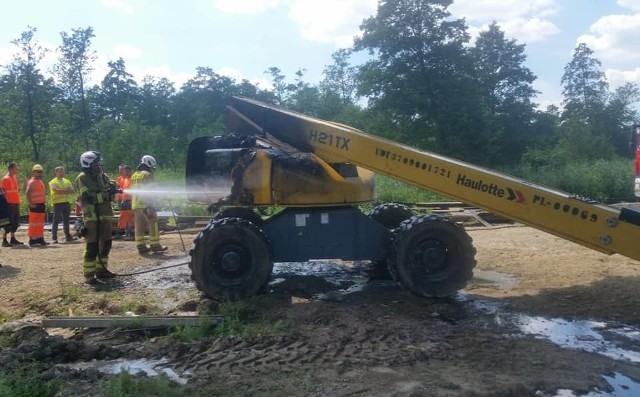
[243,38]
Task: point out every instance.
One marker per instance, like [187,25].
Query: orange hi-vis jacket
[38,191]
[10,187]
[123,183]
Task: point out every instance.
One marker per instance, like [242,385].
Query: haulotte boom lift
[319,171]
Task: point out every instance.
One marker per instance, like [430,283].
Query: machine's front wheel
[432,256]
[231,259]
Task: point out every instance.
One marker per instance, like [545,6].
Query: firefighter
[36,194]
[144,207]
[96,193]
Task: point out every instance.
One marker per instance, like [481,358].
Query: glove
[82,230]
[113,189]
[87,198]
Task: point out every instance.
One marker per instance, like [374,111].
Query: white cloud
[529,30]
[237,75]
[126,52]
[245,6]
[610,38]
[523,20]
[483,11]
[617,78]
[118,5]
[632,4]
[550,94]
[331,21]
[7,54]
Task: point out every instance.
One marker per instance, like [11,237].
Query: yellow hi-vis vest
[57,198]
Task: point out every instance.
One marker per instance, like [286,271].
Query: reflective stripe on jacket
[95,187]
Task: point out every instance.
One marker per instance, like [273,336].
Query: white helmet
[88,158]
[149,161]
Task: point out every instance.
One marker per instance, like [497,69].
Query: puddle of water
[335,272]
[589,336]
[348,277]
[583,335]
[133,367]
[580,335]
[622,387]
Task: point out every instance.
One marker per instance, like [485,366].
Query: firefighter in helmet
[143,204]
[96,193]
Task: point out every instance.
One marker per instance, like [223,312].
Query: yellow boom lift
[319,171]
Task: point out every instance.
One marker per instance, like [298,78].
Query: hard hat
[37,167]
[149,161]
[88,158]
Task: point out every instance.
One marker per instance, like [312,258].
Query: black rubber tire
[231,259]
[432,256]
[390,215]
[239,212]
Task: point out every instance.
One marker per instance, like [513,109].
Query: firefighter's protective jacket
[140,180]
[94,195]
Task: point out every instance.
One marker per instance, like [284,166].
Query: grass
[389,190]
[127,385]
[28,381]
[71,295]
[6,341]
[240,319]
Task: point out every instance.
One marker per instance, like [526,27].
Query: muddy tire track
[289,353]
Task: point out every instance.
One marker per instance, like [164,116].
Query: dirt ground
[375,341]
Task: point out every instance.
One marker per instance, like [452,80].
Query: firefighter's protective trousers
[146,220]
[98,240]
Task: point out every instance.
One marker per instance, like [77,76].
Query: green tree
[157,96]
[119,91]
[584,85]
[507,90]
[605,117]
[340,77]
[422,77]
[29,94]
[73,67]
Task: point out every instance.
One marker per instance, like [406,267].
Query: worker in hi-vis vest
[62,195]
[36,194]
[12,194]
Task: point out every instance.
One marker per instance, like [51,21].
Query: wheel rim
[231,262]
[433,257]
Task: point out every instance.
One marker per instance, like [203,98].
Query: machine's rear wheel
[432,256]
[230,259]
[390,215]
[239,212]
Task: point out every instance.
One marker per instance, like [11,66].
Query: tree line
[426,83]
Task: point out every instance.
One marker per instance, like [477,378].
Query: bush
[603,180]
